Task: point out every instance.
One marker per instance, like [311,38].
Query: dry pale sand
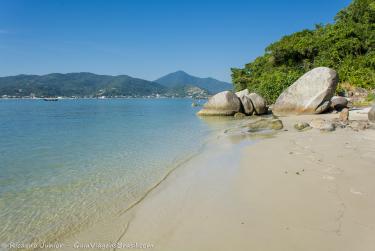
[295,191]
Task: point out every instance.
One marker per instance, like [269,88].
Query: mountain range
[86,84]
[181,78]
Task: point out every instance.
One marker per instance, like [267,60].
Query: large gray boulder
[222,104]
[371,114]
[246,102]
[259,103]
[310,94]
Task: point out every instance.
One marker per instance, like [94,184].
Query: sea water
[69,163]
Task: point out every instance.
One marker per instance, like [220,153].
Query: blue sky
[148,38]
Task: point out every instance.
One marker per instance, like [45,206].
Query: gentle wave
[64,180]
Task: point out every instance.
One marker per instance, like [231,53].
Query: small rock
[264,124]
[323,107]
[322,125]
[239,115]
[317,123]
[301,126]
[329,127]
[357,125]
[344,115]
[338,103]
[371,114]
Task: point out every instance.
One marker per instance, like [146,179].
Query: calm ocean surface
[69,163]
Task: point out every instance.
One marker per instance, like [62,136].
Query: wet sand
[295,190]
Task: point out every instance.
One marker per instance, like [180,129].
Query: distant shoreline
[70,98]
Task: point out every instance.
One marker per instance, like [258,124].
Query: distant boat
[50,99]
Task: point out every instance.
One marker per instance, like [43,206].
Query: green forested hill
[78,84]
[85,84]
[348,46]
[181,80]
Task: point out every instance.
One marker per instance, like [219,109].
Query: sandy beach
[187,125]
[294,190]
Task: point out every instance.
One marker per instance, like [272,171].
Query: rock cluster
[330,125]
[246,102]
[310,94]
[228,104]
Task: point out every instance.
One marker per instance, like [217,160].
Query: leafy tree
[348,46]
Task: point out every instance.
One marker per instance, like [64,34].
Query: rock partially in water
[310,94]
[265,124]
[222,104]
[371,114]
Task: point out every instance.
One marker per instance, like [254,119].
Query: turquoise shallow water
[69,163]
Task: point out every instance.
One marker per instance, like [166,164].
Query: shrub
[348,46]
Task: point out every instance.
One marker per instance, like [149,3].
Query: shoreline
[59,242]
[314,193]
[88,187]
[119,223]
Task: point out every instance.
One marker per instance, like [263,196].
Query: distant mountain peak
[181,78]
[180,72]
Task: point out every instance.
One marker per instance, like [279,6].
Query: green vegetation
[86,84]
[369,100]
[77,84]
[370,97]
[348,46]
